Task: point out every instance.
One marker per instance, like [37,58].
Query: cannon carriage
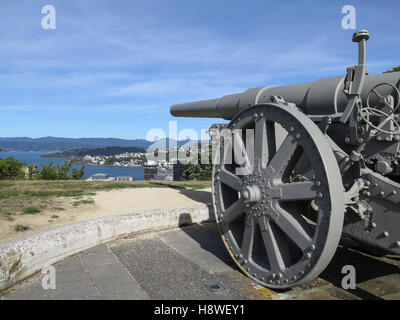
[298,166]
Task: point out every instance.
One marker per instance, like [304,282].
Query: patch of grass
[84,201]
[30,210]
[54,216]
[59,209]
[6,214]
[20,227]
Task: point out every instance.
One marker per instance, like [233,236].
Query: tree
[11,169]
[199,172]
[60,172]
[78,174]
[395,69]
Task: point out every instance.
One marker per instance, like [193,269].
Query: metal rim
[260,213]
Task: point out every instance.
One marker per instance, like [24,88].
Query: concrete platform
[192,263]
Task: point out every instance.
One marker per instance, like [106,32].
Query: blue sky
[114,68]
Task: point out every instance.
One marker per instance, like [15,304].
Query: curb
[25,256]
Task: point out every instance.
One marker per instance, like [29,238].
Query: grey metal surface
[322,97]
[268,236]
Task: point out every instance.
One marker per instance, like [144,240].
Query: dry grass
[19,197]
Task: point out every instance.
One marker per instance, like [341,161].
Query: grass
[32,196]
[30,210]
[84,201]
[20,227]
[6,214]
[54,216]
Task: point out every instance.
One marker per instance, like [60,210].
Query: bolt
[308,255]
[394,192]
[312,248]
[373,225]
[347,140]
[245,261]
[367,193]
[360,140]
[298,135]
[291,129]
[320,195]
[318,183]
[398,243]
[386,234]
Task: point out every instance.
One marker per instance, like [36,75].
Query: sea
[137,173]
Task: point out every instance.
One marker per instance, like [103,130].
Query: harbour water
[137,173]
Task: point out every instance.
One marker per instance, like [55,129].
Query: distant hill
[55,144]
[108,151]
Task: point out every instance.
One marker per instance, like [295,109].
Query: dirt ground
[66,210]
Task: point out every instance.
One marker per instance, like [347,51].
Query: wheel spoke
[261,142]
[241,156]
[295,227]
[248,238]
[280,158]
[303,190]
[229,179]
[272,247]
[234,211]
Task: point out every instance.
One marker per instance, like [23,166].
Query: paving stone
[74,290]
[109,286]
[71,275]
[383,286]
[98,257]
[70,263]
[198,253]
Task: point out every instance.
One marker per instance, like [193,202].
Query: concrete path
[192,263]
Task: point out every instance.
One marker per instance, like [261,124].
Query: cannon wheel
[262,206]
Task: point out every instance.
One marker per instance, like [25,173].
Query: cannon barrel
[321,97]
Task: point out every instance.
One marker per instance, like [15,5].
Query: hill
[108,151]
[48,144]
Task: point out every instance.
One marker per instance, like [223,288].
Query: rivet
[312,248]
[240,256]
[280,275]
[320,195]
[318,183]
[298,135]
[245,261]
[386,234]
[291,129]
[373,225]
[308,255]
[382,193]
[398,243]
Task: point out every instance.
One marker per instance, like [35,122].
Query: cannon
[299,166]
